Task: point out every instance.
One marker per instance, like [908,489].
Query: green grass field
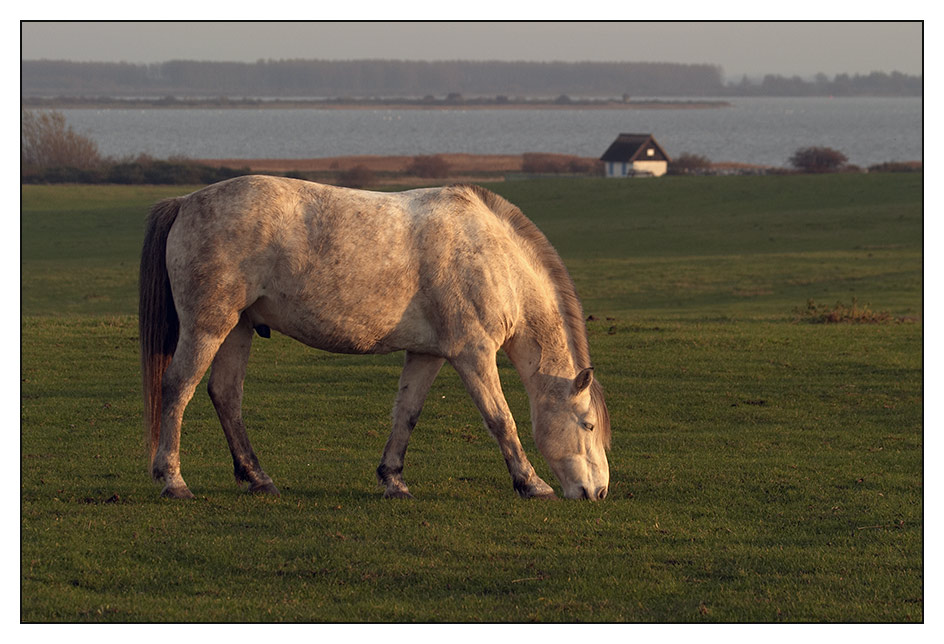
[764,469]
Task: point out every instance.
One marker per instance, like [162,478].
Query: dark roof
[632,147]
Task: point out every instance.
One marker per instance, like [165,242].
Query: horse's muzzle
[598,495]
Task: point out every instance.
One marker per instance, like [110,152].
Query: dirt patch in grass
[841,313]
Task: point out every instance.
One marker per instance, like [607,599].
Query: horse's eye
[588,426]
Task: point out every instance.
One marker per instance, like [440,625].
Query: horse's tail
[157,317]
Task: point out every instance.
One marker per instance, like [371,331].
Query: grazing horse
[445,274]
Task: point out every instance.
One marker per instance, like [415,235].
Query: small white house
[635,155]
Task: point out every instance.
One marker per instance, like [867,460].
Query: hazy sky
[787,48]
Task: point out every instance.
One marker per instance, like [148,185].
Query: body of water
[764,131]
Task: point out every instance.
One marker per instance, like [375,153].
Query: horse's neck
[542,350]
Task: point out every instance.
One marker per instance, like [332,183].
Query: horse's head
[572,430]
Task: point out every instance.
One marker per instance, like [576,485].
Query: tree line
[395,78]
[323,78]
[873,84]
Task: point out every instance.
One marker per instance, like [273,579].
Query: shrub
[434,166]
[897,166]
[818,159]
[66,175]
[142,170]
[153,171]
[537,162]
[579,165]
[687,163]
[47,142]
[544,163]
[126,173]
[357,177]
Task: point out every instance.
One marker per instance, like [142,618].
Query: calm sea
[763,131]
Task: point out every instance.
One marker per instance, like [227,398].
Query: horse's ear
[583,380]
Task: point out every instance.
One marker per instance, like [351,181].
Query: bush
[65,175]
[687,163]
[357,177]
[434,166]
[897,166]
[578,165]
[142,170]
[818,159]
[47,142]
[539,163]
[545,163]
[126,173]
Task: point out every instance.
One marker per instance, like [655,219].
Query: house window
[650,152]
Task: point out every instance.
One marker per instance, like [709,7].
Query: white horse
[446,274]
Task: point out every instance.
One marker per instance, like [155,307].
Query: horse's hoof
[535,491]
[545,492]
[177,493]
[398,494]
[264,488]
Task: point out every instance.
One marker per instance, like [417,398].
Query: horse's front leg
[419,371]
[480,375]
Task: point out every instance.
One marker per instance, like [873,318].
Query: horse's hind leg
[419,372]
[226,392]
[192,358]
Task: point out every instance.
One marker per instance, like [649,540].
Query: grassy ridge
[762,469]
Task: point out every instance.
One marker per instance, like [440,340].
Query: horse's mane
[570,306]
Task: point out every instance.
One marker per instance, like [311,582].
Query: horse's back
[346,270]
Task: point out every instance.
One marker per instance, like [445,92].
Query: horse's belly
[345,329]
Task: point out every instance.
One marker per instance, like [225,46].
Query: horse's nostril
[599,495]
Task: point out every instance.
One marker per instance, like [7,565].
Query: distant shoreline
[173,102]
